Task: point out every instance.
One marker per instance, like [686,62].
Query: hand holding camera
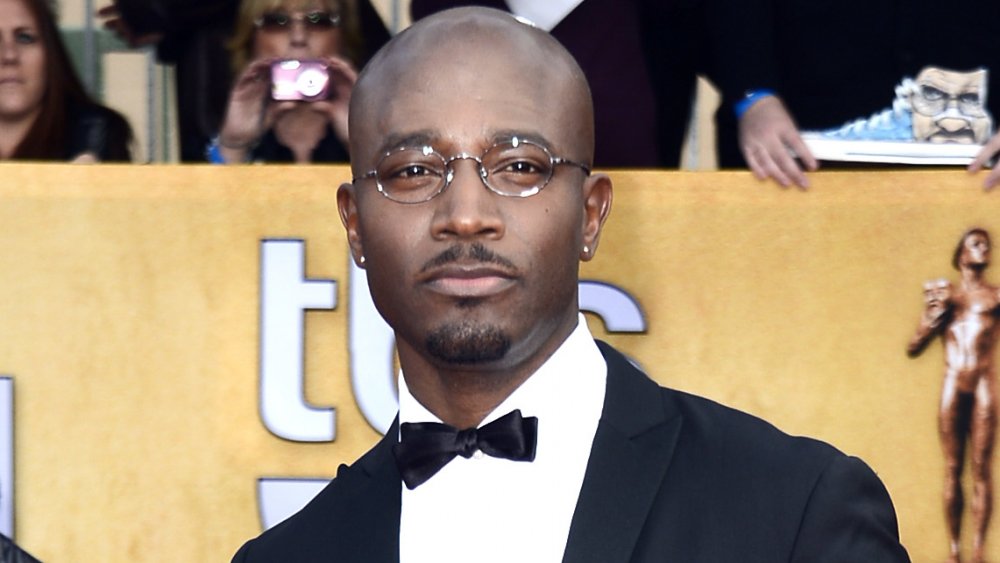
[289,93]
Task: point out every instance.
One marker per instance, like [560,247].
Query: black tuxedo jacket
[671,477]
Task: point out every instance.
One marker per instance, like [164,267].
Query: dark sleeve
[672,36]
[100,131]
[740,55]
[175,16]
[740,46]
[374,33]
[849,518]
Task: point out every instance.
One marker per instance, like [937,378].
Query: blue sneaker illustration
[939,117]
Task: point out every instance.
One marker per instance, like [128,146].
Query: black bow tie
[425,447]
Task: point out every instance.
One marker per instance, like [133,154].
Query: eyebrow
[415,138]
[534,137]
[427,137]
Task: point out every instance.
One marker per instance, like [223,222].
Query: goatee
[468,343]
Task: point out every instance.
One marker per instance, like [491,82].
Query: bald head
[474,55]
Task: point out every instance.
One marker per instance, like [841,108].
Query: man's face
[976,250]
[948,107]
[471,277]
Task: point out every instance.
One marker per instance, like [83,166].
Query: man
[966,320]
[471,207]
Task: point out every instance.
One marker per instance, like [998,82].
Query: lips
[469,281]
[961,136]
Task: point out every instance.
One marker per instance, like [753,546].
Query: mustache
[475,251]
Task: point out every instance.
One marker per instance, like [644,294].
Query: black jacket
[671,477]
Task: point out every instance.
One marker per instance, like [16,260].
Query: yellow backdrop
[130,310]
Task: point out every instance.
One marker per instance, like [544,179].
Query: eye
[517,174]
[521,167]
[413,171]
[969,98]
[321,19]
[272,21]
[407,180]
[25,37]
[931,93]
[409,170]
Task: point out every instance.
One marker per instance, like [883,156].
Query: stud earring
[361,260]
[586,249]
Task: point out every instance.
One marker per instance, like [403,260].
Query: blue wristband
[749,99]
[212,152]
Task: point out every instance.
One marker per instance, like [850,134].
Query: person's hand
[767,134]
[335,107]
[114,23]
[248,114]
[85,158]
[986,154]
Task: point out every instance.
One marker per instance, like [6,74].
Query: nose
[467,209]
[953,123]
[8,50]
[298,35]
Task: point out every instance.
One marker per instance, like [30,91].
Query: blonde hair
[241,44]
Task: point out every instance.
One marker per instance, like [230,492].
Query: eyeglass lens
[413,175]
[280,21]
[932,101]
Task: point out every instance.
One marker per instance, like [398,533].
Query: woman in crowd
[45,113]
[258,128]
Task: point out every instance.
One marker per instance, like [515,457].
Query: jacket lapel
[376,503]
[632,449]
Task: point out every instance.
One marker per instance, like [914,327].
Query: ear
[348,208]
[597,196]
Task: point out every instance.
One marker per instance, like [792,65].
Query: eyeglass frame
[919,99]
[334,19]
[449,175]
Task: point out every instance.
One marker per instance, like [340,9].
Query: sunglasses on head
[280,21]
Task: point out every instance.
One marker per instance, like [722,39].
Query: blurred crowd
[270,80]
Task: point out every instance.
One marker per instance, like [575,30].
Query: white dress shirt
[486,509]
[544,14]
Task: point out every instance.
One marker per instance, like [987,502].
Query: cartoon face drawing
[950,107]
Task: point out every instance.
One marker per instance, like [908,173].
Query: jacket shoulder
[736,488]
[354,518]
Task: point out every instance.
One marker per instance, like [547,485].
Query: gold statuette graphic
[966,316]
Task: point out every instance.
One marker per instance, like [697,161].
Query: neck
[301,129]
[972,276]
[13,131]
[463,396]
